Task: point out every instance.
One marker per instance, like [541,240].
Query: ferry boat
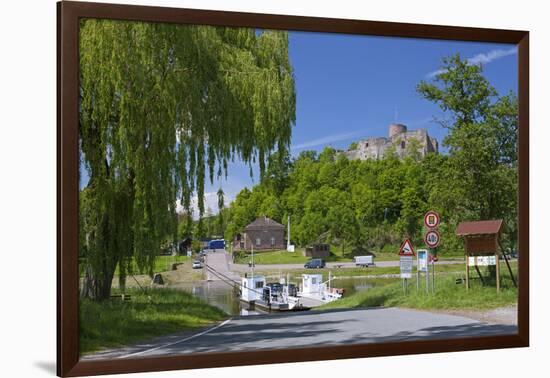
[318,292]
[284,296]
[269,296]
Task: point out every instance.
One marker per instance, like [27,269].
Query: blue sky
[352,87]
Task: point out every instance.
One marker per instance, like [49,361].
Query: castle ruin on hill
[399,137]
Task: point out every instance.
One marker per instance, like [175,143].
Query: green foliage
[196,246]
[162,264]
[152,99]
[479,180]
[152,313]
[375,204]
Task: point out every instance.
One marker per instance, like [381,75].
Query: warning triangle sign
[406,249]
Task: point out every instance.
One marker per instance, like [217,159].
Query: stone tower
[399,137]
[397,128]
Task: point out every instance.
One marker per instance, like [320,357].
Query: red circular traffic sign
[431,219]
[432,238]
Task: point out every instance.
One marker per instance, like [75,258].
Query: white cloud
[482,58]
[326,140]
[491,56]
[210,202]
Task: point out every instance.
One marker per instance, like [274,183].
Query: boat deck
[310,302]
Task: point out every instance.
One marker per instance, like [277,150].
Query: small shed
[482,242]
[184,245]
[317,251]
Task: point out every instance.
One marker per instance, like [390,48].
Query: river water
[225,297]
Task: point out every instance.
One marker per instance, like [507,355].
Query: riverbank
[297,257]
[184,272]
[150,313]
[456,267]
[448,296]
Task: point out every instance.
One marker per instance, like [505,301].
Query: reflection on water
[226,297]
[217,293]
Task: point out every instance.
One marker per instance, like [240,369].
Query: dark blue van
[216,244]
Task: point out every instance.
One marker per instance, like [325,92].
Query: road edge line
[176,342]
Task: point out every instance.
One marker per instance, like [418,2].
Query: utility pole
[252,262]
[288,235]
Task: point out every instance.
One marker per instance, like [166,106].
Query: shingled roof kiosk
[482,245]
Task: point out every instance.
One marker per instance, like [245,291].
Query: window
[273,242]
[367,144]
[314,280]
[402,144]
[258,241]
[259,284]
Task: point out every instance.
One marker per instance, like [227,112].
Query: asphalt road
[217,267]
[312,328]
[242,268]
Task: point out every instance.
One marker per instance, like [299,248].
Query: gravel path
[502,315]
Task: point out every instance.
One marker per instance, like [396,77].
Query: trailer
[364,261]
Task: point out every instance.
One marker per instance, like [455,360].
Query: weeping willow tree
[162,109]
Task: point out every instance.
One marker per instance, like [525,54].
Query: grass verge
[162,264]
[457,268]
[151,313]
[297,257]
[448,296]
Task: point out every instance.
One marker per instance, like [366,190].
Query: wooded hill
[368,205]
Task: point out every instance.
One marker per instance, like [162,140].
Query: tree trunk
[96,288]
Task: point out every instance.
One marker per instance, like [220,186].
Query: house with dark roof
[262,234]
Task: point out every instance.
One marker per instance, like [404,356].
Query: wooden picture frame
[68,15]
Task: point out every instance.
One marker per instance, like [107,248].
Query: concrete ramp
[217,267]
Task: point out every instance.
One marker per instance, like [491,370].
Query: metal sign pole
[433,273]
[427,279]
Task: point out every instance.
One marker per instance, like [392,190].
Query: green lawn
[297,257]
[162,263]
[356,272]
[448,296]
[273,257]
[156,312]
[284,257]
[457,270]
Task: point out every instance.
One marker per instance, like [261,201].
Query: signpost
[432,240]
[406,253]
[406,249]
[482,260]
[422,260]
[431,259]
[431,219]
[422,267]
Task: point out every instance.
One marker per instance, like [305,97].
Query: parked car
[197,264]
[315,264]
